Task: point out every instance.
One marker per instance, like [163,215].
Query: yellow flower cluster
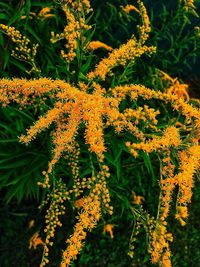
[92,109]
[176,87]
[189,164]
[127,52]
[22,50]
[82,5]
[160,251]
[179,104]
[189,7]
[94,45]
[73,161]
[130,119]
[76,24]
[170,138]
[35,241]
[128,8]
[90,215]
[42,123]
[80,106]
[45,13]
[57,199]
[145,28]
[182,214]
[91,208]
[138,200]
[25,92]
[160,242]
[167,185]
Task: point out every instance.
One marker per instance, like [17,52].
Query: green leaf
[27,9]
[31,31]
[6,59]
[3,16]
[148,165]
[15,17]
[81,76]
[85,67]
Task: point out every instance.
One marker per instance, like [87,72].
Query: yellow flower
[109,229]
[93,45]
[79,203]
[45,13]
[35,241]
[138,200]
[31,224]
[179,89]
[129,8]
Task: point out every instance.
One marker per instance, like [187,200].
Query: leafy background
[21,166]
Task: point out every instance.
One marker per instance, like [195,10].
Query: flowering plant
[86,111]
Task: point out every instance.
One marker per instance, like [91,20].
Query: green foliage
[20,166]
